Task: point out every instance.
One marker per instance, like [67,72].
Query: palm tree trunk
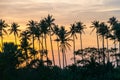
[1,42]
[52,50]
[15,39]
[42,48]
[39,44]
[107,51]
[103,51]
[119,54]
[46,48]
[26,56]
[98,46]
[119,47]
[33,41]
[63,57]
[115,53]
[33,46]
[81,45]
[74,48]
[59,54]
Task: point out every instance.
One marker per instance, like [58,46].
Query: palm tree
[56,32]
[103,30]
[14,29]
[95,25]
[31,29]
[73,31]
[80,29]
[25,45]
[63,39]
[3,25]
[117,34]
[50,22]
[107,36]
[38,34]
[113,21]
[44,31]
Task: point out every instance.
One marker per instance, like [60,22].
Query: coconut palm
[113,21]
[103,30]
[50,22]
[31,29]
[80,29]
[25,45]
[63,39]
[38,34]
[44,31]
[3,25]
[73,31]
[95,25]
[117,34]
[107,36]
[56,32]
[14,29]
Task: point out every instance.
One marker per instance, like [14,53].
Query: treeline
[24,62]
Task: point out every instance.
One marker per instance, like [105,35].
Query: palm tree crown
[14,29]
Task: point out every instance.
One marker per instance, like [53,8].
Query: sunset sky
[65,12]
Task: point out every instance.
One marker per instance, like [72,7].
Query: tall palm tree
[80,29]
[103,30]
[44,31]
[63,39]
[32,28]
[14,29]
[25,45]
[95,25]
[73,31]
[38,34]
[3,25]
[56,32]
[50,22]
[117,34]
[113,21]
[107,36]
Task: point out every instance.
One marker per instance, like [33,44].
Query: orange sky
[65,12]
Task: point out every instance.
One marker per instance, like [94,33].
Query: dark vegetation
[24,62]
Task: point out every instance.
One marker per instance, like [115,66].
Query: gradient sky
[65,12]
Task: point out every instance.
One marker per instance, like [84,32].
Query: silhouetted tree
[95,25]
[3,25]
[73,31]
[80,29]
[25,45]
[63,39]
[50,22]
[32,29]
[113,21]
[56,32]
[103,30]
[44,30]
[14,29]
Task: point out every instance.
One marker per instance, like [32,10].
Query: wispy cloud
[65,10]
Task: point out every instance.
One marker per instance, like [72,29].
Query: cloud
[64,10]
